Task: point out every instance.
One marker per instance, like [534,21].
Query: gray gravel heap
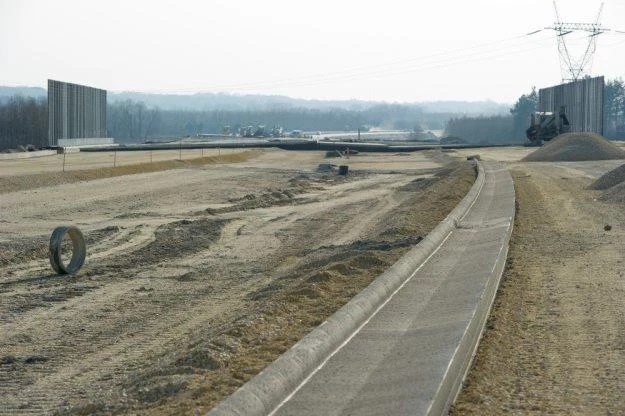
[610,179]
[615,193]
[573,147]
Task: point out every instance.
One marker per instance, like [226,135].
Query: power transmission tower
[575,68]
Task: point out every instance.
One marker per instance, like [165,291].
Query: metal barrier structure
[76,113]
[583,101]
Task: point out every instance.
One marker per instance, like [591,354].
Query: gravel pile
[614,183]
[615,193]
[610,179]
[573,147]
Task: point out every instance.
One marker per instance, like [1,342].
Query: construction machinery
[546,125]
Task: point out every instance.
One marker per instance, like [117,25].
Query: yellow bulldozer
[544,126]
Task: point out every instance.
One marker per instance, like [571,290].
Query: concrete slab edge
[26,155]
[267,390]
[459,366]
[68,149]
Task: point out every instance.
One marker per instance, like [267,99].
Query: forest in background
[131,120]
[23,117]
[254,102]
[511,128]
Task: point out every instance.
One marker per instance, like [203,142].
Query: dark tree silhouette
[23,122]
[521,111]
[614,109]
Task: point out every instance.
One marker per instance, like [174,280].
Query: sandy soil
[555,341]
[197,277]
[11,183]
[88,160]
[502,154]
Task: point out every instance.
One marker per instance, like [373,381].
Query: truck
[545,125]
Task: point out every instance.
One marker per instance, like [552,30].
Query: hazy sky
[328,49]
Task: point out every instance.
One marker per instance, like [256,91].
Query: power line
[452,61]
[436,60]
[574,68]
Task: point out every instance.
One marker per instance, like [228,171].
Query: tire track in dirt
[149,312]
[84,352]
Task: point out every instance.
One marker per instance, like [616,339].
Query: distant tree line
[496,129]
[132,120]
[23,121]
[614,109]
[480,130]
[511,129]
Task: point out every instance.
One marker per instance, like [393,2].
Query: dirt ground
[198,276]
[13,180]
[101,160]
[555,341]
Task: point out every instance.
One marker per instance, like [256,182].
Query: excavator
[544,126]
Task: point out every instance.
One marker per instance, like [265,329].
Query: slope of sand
[573,147]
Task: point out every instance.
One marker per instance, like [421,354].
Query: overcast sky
[327,49]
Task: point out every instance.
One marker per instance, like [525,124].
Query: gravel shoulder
[197,277]
[555,341]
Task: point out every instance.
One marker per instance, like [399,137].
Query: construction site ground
[555,340]
[200,276]
[199,272]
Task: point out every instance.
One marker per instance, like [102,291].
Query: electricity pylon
[574,68]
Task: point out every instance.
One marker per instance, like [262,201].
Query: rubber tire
[79,252]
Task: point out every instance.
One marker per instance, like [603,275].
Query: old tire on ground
[79,251]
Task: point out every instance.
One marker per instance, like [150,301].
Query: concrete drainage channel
[405,343]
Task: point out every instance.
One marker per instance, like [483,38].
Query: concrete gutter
[460,364]
[264,393]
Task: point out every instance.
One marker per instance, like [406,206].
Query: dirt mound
[610,179]
[573,147]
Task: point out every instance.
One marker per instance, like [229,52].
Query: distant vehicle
[260,131]
[544,126]
[246,131]
[276,131]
